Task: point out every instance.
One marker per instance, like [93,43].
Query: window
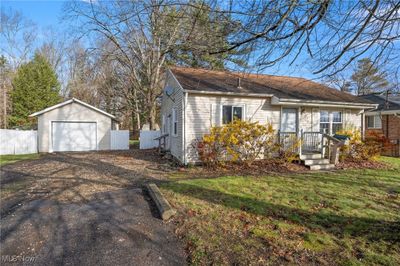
[174,122]
[230,113]
[330,122]
[336,122]
[324,121]
[374,121]
[289,120]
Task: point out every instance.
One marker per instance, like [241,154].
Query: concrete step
[321,166]
[316,161]
[311,156]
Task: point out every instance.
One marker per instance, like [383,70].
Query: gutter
[229,93]
[395,112]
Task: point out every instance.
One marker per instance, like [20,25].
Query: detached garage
[74,126]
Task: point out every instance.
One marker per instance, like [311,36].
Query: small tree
[367,78]
[35,87]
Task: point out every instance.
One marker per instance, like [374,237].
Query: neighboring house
[74,126]
[384,120]
[194,100]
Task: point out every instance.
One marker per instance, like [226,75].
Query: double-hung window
[374,121]
[331,121]
[231,113]
[337,122]
[174,122]
[324,122]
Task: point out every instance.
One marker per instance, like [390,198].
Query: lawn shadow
[322,220]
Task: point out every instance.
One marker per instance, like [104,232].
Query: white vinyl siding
[169,103]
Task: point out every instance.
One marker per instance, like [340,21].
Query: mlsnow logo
[17,258]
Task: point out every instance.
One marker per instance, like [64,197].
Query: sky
[43,13]
[48,13]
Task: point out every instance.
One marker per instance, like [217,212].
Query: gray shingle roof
[393,103]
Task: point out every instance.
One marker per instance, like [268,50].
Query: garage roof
[71,101]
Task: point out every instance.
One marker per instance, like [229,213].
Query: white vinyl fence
[119,139]
[18,141]
[146,139]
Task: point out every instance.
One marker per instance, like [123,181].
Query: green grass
[346,217]
[133,142]
[7,159]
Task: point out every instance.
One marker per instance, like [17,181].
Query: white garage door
[74,136]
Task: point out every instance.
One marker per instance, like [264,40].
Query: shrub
[239,141]
[356,149]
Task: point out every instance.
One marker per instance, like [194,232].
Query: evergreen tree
[35,87]
[368,79]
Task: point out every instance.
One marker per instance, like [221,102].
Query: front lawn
[349,217]
[7,159]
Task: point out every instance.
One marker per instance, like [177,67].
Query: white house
[74,125]
[194,100]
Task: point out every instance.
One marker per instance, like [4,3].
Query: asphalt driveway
[85,209]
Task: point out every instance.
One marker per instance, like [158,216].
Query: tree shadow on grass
[372,229]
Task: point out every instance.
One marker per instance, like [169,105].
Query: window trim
[232,106]
[174,122]
[297,119]
[374,116]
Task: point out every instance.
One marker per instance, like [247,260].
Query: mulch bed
[270,166]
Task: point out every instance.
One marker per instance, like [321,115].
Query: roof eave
[229,93]
[283,101]
[71,101]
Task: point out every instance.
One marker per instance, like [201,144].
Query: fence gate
[146,140]
[119,139]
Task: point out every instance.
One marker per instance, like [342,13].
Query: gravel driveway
[85,209]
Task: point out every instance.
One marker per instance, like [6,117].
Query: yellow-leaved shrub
[239,141]
[356,149]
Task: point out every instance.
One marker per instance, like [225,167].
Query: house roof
[393,103]
[282,87]
[73,100]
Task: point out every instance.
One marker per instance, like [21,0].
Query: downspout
[184,104]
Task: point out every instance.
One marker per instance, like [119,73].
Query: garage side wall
[73,112]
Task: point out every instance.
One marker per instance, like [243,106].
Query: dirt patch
[86,209]
[79,176]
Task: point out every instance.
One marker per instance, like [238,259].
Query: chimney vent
[239,83]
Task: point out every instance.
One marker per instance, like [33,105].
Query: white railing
[147,139]
[119,139]
[18,141]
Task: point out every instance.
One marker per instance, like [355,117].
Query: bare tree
[17,37]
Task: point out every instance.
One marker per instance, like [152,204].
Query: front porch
[316,150]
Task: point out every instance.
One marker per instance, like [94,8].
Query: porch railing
[289,141]
[311,142]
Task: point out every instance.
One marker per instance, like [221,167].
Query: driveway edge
[163,206]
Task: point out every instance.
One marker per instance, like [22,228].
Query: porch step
[311,156]
[321,166]
[310,162]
